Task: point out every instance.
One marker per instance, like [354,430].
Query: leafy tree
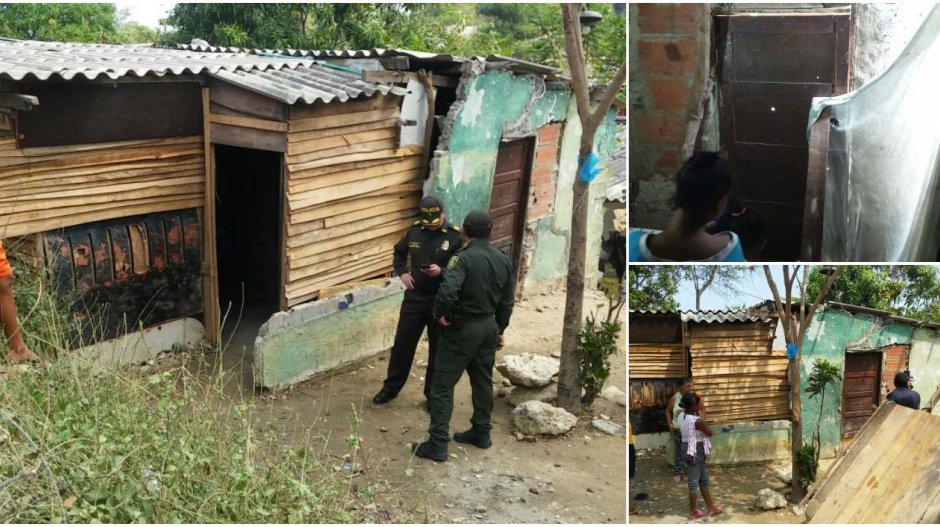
[823,374]
[59,22]
[906,290]
[653,287]
[720,278]
[130,32]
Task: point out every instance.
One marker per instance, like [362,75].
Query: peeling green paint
[835,332]
[326,342]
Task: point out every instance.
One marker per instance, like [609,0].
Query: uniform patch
[445,245]
[414,245]
[453,261]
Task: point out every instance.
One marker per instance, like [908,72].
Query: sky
[752,289]
[146,12]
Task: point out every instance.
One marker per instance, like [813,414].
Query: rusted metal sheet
[118,275]
[648,400]
[510,193]
[654,328]
[861,384]
[769,69]
[72,114]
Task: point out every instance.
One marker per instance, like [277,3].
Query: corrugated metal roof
[26,59]
[306,84]
[710,316]
[373,53]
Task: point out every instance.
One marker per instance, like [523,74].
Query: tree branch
[773,290]
[575,51]
[608,99]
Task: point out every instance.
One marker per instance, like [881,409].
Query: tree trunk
[569,374]
[796,427]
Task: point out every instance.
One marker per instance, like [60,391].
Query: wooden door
[508,200]
[769,69]
[861,386]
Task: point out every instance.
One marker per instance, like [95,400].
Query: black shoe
[383,397]
[431,451]
[475,437]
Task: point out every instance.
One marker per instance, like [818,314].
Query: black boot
[474,436]
[383,397]
[430,450]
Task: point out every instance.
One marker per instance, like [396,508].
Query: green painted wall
[924,363]
[746,443]
[497,104]
[831,335]
[325,338]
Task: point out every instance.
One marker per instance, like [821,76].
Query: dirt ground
[733,488]
[576,478]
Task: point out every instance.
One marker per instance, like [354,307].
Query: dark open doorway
[248,231]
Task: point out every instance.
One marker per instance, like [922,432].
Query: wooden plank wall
[739,376]
[657,361]
[351,193]
[53,187]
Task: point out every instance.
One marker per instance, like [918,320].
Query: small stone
[799,511]
[476,470]
[448,505]
[478,516]
[534,490]
[383,429]
[557,465]
[519,436]
[607,426]
[589,489]
[605,417]
[540,309]
[454,456]
[502,392]
[480,510]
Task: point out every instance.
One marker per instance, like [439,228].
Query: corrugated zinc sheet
[708,316]
[29,59]
[306,84]
[373,53]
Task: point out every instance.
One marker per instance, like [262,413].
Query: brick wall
[668,46]
[545,165]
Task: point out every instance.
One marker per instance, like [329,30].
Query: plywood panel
[657,361]
[351,194]
[47,188]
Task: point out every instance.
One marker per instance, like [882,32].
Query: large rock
[528,369]
[784,473]
[538,418]
[769,500]
[521,394]
[612,393]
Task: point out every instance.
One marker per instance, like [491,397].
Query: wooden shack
[728,354]
[162,184]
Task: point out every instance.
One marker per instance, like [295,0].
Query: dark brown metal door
[769,69]
[861,385]
[508,201]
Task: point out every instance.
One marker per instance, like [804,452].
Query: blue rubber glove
[589,169]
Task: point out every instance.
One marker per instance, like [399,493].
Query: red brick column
[544,168]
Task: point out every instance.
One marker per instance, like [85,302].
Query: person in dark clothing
[419,259]
[903,393]
[473,305]
[747,224]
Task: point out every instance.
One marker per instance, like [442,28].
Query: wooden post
[569,379]
[815,189]
[427,79]
[210,285]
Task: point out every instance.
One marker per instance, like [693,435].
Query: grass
[80,443]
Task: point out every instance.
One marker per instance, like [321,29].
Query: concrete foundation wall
[141,346]
[320,336]
[745,443]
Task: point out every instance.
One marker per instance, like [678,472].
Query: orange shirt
[5,269]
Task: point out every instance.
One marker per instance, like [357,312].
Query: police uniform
[420,246]
[476,298]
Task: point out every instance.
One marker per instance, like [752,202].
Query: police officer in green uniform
[419,259]
[473,305]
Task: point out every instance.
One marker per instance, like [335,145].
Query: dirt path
[576,478]
[733,488]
